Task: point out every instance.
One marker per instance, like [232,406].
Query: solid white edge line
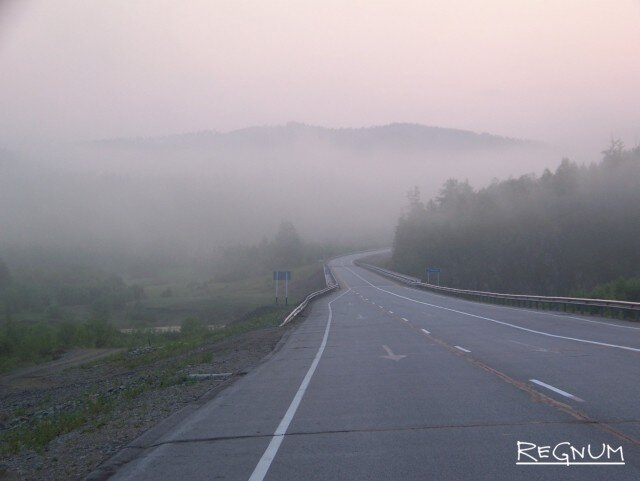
[555,389]
[462,349]
[542,333]
[564,316]
[267,458]
[425,331]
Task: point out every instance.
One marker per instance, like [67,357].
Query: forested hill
[187,193]
[560,233]
[403,136]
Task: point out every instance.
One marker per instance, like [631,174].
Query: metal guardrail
[328,276]
[565,304]
[332,285]
[405,279]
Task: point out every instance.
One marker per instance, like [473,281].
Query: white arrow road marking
[391,355]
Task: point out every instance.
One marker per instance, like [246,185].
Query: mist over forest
[573,231]
[181,198]
[194,197]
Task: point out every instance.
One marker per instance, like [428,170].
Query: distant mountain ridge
[394,136]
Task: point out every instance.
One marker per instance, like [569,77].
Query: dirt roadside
[38,377]
[112,403]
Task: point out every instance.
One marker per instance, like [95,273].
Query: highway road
[385,382]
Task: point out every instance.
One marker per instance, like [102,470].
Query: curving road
[385,382]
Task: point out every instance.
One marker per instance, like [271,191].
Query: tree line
[562,233]
[285,251]
[102,293]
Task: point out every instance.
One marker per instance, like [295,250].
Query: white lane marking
[391,355]
[405,319]
[425,331]
[462,349]
[555,389]
[540,349]
[564,316]
[547,313]
[267,458]
[596,322]
[542,333]
[390,312]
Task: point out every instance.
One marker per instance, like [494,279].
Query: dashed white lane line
[405,319]
[508,324]
[390,312]
[555,389]
[425,331]
[462,349]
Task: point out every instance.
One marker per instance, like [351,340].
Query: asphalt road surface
[385,382]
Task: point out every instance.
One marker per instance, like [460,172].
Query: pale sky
[563,71]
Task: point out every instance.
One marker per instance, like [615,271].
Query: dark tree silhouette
[559,233]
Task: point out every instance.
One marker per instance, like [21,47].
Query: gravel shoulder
[102,406]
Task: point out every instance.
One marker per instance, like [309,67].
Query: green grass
[94,409]
[214,303]
[171,344]
[620,289]
[217,302]
[37,435]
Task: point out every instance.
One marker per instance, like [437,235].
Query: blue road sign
[433,269]
[281,275]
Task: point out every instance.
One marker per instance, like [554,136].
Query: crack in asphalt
[380,430]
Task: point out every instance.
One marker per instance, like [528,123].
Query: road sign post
[433,270]
[286,277]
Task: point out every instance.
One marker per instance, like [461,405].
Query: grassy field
[171,301]
[234,307]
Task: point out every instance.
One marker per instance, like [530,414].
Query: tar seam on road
[627,348]
[398,429]
[267,458]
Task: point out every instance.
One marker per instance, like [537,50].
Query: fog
[172,129]
[195,193]
[562,72]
